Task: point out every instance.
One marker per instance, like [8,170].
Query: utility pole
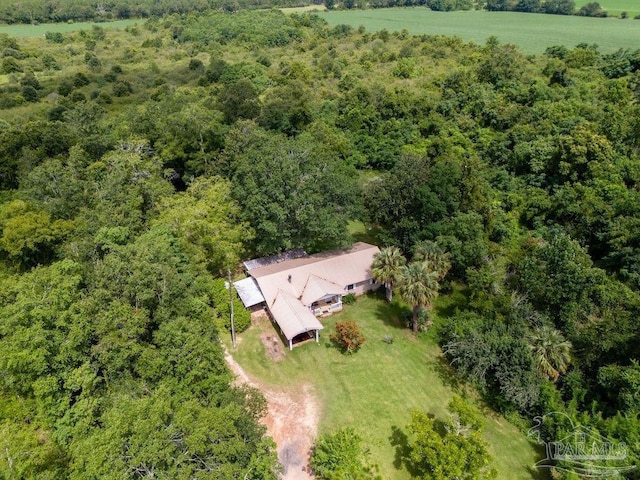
[233,328]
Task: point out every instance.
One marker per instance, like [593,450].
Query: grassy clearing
[306,9]
[533,33]
[40,29]
[615,7]
[375,389]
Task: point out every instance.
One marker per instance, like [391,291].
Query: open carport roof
[249,292]
[293,317]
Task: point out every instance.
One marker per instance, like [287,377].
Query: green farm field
[616,7]
[533,33]
[375,389]
[22,30]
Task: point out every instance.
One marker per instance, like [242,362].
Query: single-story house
[298,288]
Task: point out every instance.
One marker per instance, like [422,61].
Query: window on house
[351,287]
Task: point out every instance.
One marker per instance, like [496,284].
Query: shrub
[347,336]
[340,455]
[241,317]
[349,299]
[122,89]
[10,65]
[54,37]
[195,64]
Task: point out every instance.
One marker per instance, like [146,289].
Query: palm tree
[418,286]
[431,252]
[386,268]
[551,351]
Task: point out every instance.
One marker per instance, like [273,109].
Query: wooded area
[137,166]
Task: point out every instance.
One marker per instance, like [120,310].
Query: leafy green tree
[293,192]
[458,452]
[559,7]
[621,384]
[340,455]
[418,286]
[386,268]
[206,219]
[29,237]
[239,100]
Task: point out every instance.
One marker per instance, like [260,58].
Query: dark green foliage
[54,37]
[80,80]
[115,222]
[222,303]
[293,192]
[239,100]
[592,9]
[122,89]
[347,337]
[10,65]
[29,93]
[349,299]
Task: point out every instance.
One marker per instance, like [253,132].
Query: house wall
[362,287]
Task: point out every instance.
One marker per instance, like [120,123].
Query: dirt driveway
[291,420]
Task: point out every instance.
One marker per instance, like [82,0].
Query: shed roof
[249,292]
[273,259]
[293,317]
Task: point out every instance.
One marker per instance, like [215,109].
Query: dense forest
[137,167]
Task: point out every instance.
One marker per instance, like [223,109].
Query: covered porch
[326,305]
[297,324]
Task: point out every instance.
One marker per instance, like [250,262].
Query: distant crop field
[616,7]
[39,30]
[533,33]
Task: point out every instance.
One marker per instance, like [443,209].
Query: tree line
[138,165]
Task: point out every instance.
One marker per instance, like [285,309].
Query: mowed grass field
[533,33]
[375,389]
[40,29]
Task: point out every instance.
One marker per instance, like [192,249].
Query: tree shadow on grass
[391,314]
[447,374]
[400,441]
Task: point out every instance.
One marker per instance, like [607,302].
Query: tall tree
[418,286]
[386,268]
[551,351]
[455,451]
[432,253]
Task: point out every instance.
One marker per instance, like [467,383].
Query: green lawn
[615,7]
[40,29]
[375,389]
[533,33]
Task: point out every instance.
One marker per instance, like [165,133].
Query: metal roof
[293,317]
[273,259]
[249,292]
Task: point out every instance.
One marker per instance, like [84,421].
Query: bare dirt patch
[273,345]
[291,420]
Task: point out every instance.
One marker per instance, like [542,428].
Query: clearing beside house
[375,389]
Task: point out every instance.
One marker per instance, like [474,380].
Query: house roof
[293,317]
[291,285]
[249,292]
[317,288]
[328,271]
